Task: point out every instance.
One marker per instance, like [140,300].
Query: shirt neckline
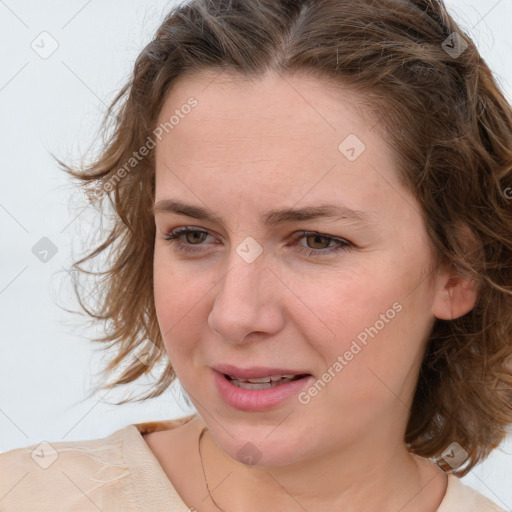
[149,477]
[150,481]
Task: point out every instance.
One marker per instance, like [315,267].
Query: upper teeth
[272,378]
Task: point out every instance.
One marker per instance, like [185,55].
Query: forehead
[275,139]
[263,106]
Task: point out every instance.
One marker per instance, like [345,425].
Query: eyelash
[172,237]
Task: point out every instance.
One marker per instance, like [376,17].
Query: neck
[365,475]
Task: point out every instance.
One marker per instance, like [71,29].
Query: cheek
[335,307]
[182,294]
[165,284]
[369,320]
[173,293]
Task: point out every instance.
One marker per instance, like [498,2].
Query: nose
[248,301]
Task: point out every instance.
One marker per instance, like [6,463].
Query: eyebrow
[272,217]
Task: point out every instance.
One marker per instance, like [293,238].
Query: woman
[312,223]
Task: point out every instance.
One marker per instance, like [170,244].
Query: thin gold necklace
[204,472]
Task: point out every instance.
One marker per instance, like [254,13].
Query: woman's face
[249,289]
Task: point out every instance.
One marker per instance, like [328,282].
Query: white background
[47,364]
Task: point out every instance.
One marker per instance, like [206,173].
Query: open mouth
[263,382]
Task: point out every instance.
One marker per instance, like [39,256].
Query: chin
[256,449]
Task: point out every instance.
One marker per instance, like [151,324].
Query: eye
[174,238]
[186,238]
[315,239]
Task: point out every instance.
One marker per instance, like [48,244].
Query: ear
[455,296]
[455,293]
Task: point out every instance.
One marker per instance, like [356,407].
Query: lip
[258,399]
[255,372]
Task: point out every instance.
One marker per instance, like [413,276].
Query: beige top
[119,473]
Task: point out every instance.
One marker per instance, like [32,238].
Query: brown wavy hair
[450,130]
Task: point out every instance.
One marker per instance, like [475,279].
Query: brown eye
[194,237]
[318,241]
[317,244]
[187,240]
